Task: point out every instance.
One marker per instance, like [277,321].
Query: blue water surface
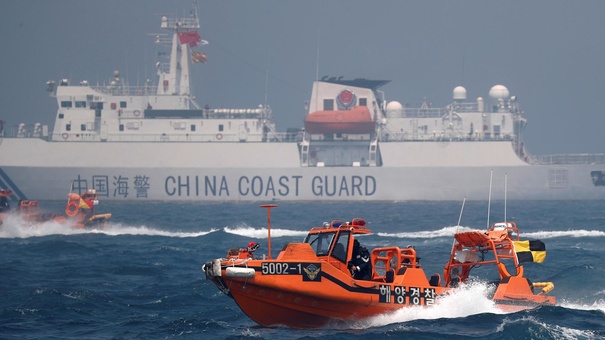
[141,277]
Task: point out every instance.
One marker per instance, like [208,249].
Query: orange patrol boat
[500,243]
[79,210]
[310,284]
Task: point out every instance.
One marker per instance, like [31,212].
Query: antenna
[317,57]
[316,75]
[266,84]
[458,225]
[269,206]
[460,217]
[489,199]
[505,178]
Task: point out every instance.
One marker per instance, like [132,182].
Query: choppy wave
[467,300]
[15,227]
[117,229]
[443,232]
[565,233]
[140,279]
[261,233]
[450,231]
[532,326]
[596,305]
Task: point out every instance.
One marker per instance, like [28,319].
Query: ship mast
[174,78]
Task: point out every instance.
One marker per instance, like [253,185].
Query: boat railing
[20,132]
[123,90]
[430,112]
[166,137]
[438,112]
[388,136]
[385,259]
[424,112]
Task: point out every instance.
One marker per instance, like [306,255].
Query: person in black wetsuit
[4,204]
[360,265]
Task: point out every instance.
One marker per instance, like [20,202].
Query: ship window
[96,106]
[179,125]
[340,247]
[320,242]
[121,127]
[82,127]
[192,127]
[496,131]
[66,103]
[98,113]
[221,127]
[67,127]
[61,116]
[363,101]
[80,103]
[328,104]
[123,105]
[132,125]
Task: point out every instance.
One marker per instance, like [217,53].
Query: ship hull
[37,169]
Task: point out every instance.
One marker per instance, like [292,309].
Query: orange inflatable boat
[79,210]
[314,282]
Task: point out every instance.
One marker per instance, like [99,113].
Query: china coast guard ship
[154,142]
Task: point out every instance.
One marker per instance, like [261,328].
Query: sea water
[140,277]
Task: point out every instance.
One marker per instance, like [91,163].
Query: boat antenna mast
[459,221]
[505,179]
[269,206]
[174,78]
[489,198]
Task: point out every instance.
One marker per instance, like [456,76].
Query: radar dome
[394,109]
[459,93]
[498,92]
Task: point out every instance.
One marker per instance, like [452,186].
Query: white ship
[154,142]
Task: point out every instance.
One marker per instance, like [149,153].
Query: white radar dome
[394,109]
[498,92]
[459,93]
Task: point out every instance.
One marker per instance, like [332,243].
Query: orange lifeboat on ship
[311,283]
[355,120]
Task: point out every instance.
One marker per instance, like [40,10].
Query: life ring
[137,113]
[72,208]
[219,136]
[65,136]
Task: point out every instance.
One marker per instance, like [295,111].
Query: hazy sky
[550,54]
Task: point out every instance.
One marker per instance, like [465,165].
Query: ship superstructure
[154,112]
[154,142]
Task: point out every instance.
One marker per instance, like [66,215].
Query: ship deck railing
[438,112]
[179,137]
[289,137]
[583,158]
[122,90]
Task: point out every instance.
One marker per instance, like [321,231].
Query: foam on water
[261,233]
[468,299]
[15,227]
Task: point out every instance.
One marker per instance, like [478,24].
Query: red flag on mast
[192,38]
